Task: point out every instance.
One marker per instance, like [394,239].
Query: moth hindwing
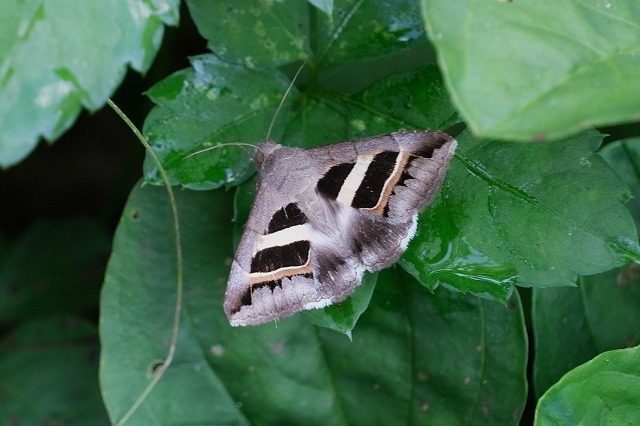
[322,216]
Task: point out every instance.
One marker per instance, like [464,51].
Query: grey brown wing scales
[323,216]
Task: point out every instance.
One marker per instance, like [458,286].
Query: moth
[324,215]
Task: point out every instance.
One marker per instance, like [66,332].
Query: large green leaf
[212,102]
[510,213]
[57,57]
[276,29]
[138,302]
[362,31]
[537,69]
[286,31]
[605,390]
[414,358]
[571,325]
[48,373]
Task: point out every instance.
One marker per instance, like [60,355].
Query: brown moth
[324,215]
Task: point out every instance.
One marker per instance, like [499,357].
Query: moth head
[263,151]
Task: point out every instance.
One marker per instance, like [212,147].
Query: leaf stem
[179,278]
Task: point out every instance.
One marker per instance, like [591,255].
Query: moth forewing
[324,215]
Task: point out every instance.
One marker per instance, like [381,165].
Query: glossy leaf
[48,65]
[216,102]
[289,31]
[197,108]
[605,390]
[534,69]
[276,29]
[411,350]
[360,31]
[405,101]
[571,325]
[512,209]
[508,214]
[48,373]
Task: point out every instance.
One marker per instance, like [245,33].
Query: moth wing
[384,182]
[275,272]
[261,286]
[324,215]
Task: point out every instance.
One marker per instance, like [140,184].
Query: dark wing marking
[375,179]
[332,181]
[272,259]
[286,217]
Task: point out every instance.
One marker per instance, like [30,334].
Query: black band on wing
[427,150]
[273,258]
[286,217]
[332,181]
[247,298]
[370,190]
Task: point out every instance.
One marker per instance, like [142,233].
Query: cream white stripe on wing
[355,178]
[278,274]
[283,237]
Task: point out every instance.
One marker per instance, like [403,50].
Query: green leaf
[276,30]
[411,350]
[562,332]
[216,102]
[528,70]
[364,31]
[42,273]
[411,100]
[48,373]
[572,325]
[199,107]
[343,316]
[56,58]
[136,319]
[624,157]
[508,213]
[271,34]
[605,390]
[513,208]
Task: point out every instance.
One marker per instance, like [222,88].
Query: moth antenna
[220,145]
[284,97]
